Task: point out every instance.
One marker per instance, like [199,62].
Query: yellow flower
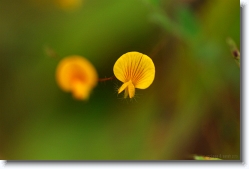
[69,4]
[77,75]
[135,70]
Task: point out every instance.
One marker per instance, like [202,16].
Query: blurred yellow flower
[69,4]
[135,70]
[77,75]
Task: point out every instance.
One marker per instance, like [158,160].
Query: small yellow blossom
[135,70]
[69,4]
[77,75]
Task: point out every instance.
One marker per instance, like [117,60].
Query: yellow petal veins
[135,70]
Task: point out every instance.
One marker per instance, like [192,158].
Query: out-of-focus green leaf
[163,21]
[187,22]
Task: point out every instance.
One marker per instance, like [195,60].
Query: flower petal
[131,90]
[80,90]
[74,69]
[126,93]
[137,67]
[145,73]
[123,87]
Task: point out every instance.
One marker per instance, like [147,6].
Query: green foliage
[193,105]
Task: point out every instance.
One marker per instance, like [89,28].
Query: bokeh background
[191,108]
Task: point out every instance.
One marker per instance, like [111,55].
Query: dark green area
[192,107]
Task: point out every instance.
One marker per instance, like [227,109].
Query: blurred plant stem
[106,79]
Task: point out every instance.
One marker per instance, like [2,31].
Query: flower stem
[106,79]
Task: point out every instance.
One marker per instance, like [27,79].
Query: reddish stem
[106,79]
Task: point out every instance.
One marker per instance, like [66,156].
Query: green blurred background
[192,107]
